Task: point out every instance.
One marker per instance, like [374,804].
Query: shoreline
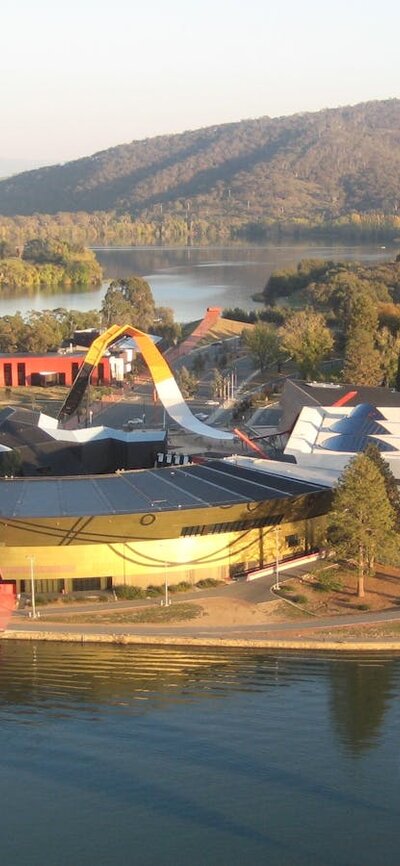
[184,641]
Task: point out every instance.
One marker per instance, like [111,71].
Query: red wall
[50,364]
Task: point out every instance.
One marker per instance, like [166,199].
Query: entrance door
[21,374]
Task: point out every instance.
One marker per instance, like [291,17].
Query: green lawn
[155,614]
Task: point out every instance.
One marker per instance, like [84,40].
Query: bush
[299,599]
[285,591]
[363,607]
[183,586]
[153,590]
[129,592]
[328,581]
[208,582]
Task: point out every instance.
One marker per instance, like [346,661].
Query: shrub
[129,592]
[207,582]
[153,590]
[182,586]
[328,581]
[299,599]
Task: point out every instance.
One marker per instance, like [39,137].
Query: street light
[32,562]
[167,600]
[277,585]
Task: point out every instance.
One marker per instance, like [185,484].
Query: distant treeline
[113,229]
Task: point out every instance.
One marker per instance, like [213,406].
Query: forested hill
[320,165]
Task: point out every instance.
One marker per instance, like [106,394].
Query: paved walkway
[19,624]
[254,592]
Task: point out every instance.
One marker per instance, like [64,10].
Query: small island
[51,262]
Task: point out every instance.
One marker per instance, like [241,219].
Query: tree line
[199,226]
[345,312]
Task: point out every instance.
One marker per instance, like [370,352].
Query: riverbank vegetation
[359,304]
[46,262]
[114,228]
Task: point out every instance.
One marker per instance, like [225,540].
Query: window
[81,584]
[74,370]
[233,526]
[292,540]
[8,375]
[100,374]
[46,585]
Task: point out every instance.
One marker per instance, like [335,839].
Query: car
[201,416]
[212,402]
[133,422]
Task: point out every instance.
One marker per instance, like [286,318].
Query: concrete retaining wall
[125,639]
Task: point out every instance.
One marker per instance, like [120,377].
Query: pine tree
[392,488]
[362,521]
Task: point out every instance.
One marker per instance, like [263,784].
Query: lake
[189,279]
[175,757]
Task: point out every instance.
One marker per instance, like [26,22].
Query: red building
[50,368]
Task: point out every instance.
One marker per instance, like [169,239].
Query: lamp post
[167,601]
[277,586]
[32,563]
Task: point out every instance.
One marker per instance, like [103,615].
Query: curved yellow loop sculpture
[161,373]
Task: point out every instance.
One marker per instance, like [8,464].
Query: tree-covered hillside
[322,165]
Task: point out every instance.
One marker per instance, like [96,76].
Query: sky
[80,76]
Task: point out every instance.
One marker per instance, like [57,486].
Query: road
[253,632]
[254,592]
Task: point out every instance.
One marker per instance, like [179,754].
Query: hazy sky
[83,75]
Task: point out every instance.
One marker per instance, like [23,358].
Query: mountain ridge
[310,164]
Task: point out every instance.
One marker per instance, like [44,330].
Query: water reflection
[189,279]
[201,756]
[35,676]
[360,696]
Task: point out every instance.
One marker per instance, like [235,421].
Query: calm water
[191,279]
[160,756]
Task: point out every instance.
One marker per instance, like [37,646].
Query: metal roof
[297,394]
[214,483]
[363,418]
[354,443]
